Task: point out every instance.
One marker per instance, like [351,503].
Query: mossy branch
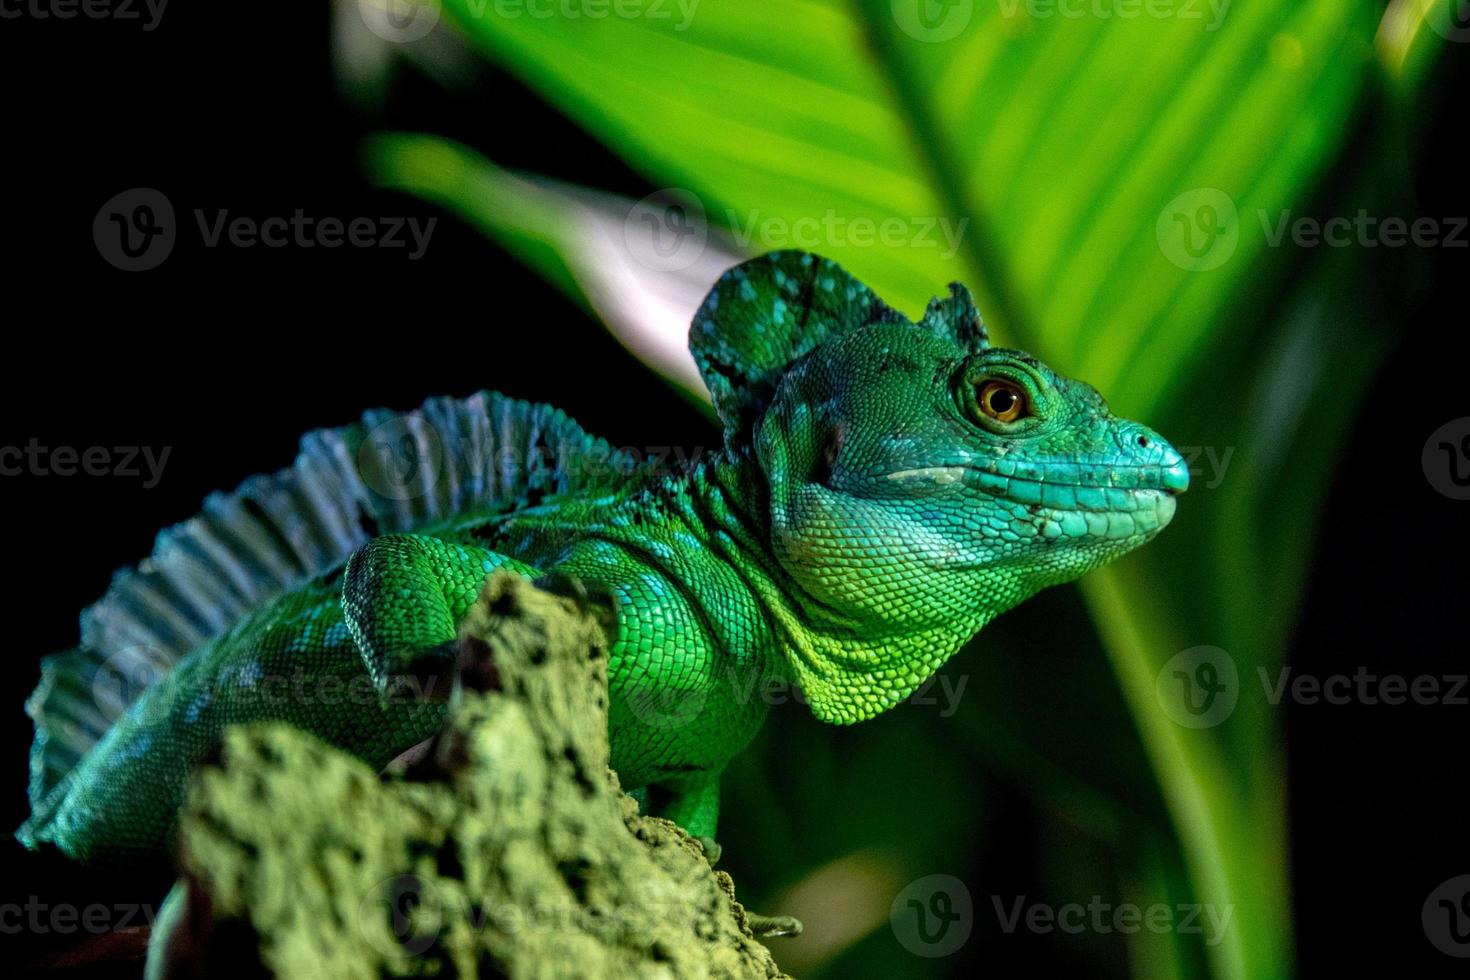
[508,850]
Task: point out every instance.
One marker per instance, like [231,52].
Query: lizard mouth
[1086,512]
[1067,496]
[1064,486]
[1116,503]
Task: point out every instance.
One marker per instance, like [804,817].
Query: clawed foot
[773,926]
[762,926]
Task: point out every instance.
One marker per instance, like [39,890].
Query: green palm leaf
[1109,183]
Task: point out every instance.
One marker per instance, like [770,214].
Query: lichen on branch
[508,849]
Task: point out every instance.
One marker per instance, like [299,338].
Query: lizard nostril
[1143,442]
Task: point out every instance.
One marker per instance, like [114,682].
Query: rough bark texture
[508,850]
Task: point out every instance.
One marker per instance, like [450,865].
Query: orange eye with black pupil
[1003,401]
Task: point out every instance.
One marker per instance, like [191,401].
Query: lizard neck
[712,527]
[724,502]
[849,667]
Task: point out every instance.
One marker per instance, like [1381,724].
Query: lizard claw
[773,926]
[761,926]
[712,849]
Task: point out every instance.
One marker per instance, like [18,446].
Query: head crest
[766,313]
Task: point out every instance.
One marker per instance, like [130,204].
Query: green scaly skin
[863,521]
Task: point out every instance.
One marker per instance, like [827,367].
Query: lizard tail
[73,710]
[447,461]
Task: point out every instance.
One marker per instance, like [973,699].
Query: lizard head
[920,481]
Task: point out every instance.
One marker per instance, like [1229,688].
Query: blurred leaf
[572,236]
[1110,186]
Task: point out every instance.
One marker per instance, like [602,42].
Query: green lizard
[885,488]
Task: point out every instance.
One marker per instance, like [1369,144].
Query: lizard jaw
[1066,511]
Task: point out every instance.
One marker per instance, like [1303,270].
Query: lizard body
[885,489]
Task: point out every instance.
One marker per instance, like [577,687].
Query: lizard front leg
[692,802]
[403,596]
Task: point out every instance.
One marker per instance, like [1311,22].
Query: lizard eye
[1001,400]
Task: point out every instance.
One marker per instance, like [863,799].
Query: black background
[227,355]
